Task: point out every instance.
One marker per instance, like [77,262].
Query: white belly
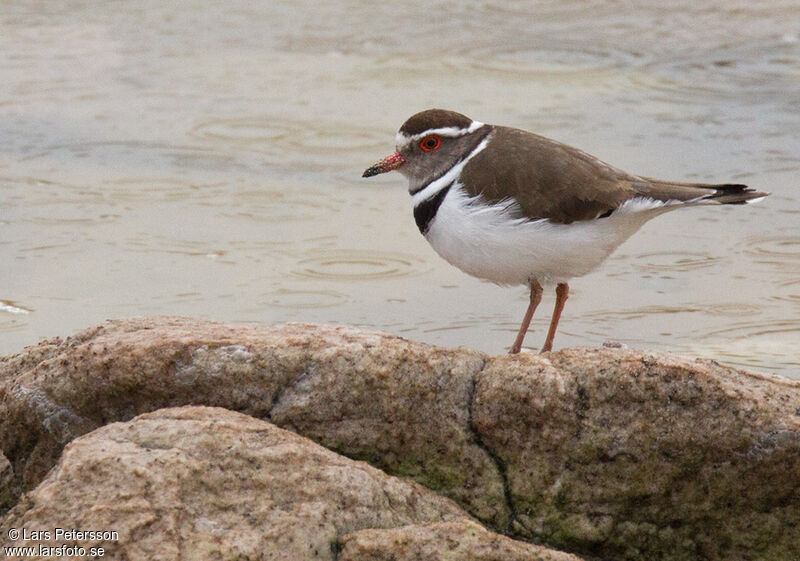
[487,242]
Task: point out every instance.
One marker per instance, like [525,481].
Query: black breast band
[426,210]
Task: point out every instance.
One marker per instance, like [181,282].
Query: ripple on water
[357,265]
[266,132]
[764,69]
[773,329]
[752,355]
[135,189]
[774,249]
[754,344]
[305,299]
[550,59]
[793,285]
[732,309]
[135,156]
[119,150]
[674,261]
[290,205]
[722,309]
[457,325]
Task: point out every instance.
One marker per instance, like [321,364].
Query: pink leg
[536,297]
[562,292]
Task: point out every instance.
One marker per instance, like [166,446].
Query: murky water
[204,159]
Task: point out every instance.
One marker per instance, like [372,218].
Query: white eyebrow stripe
[402,139]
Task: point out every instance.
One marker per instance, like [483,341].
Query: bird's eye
[430,142]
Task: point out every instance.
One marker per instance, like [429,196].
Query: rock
[610,452]
[633,455]
[380,403]
[443,541]
[199,483]
[6,481]
[379,395]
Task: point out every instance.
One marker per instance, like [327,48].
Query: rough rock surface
[383,392]
[616,453]
[6,480]
[442,541]
[200,483]
[637,456]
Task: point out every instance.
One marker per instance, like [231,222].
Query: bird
[516,208]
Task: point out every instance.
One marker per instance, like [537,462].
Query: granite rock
[611,452]
[200,483]
[442,541]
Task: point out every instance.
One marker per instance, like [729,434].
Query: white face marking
[452,174]
[402,140]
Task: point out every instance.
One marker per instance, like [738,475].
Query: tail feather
[733,194]
[724,194]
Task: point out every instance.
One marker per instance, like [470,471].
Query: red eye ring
[430,143]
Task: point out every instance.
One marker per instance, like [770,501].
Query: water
[204,159]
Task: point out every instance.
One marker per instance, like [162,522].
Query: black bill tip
[390,162]
[370,171]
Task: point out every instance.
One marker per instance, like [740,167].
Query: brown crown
[434,119]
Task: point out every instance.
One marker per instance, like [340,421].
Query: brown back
[548,179]
[552,180]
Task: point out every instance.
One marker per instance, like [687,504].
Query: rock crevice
[502,469]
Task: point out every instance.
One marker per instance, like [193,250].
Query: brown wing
[548,179]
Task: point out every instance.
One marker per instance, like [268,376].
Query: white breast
[488,242]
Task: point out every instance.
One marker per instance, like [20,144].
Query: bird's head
[429,144]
